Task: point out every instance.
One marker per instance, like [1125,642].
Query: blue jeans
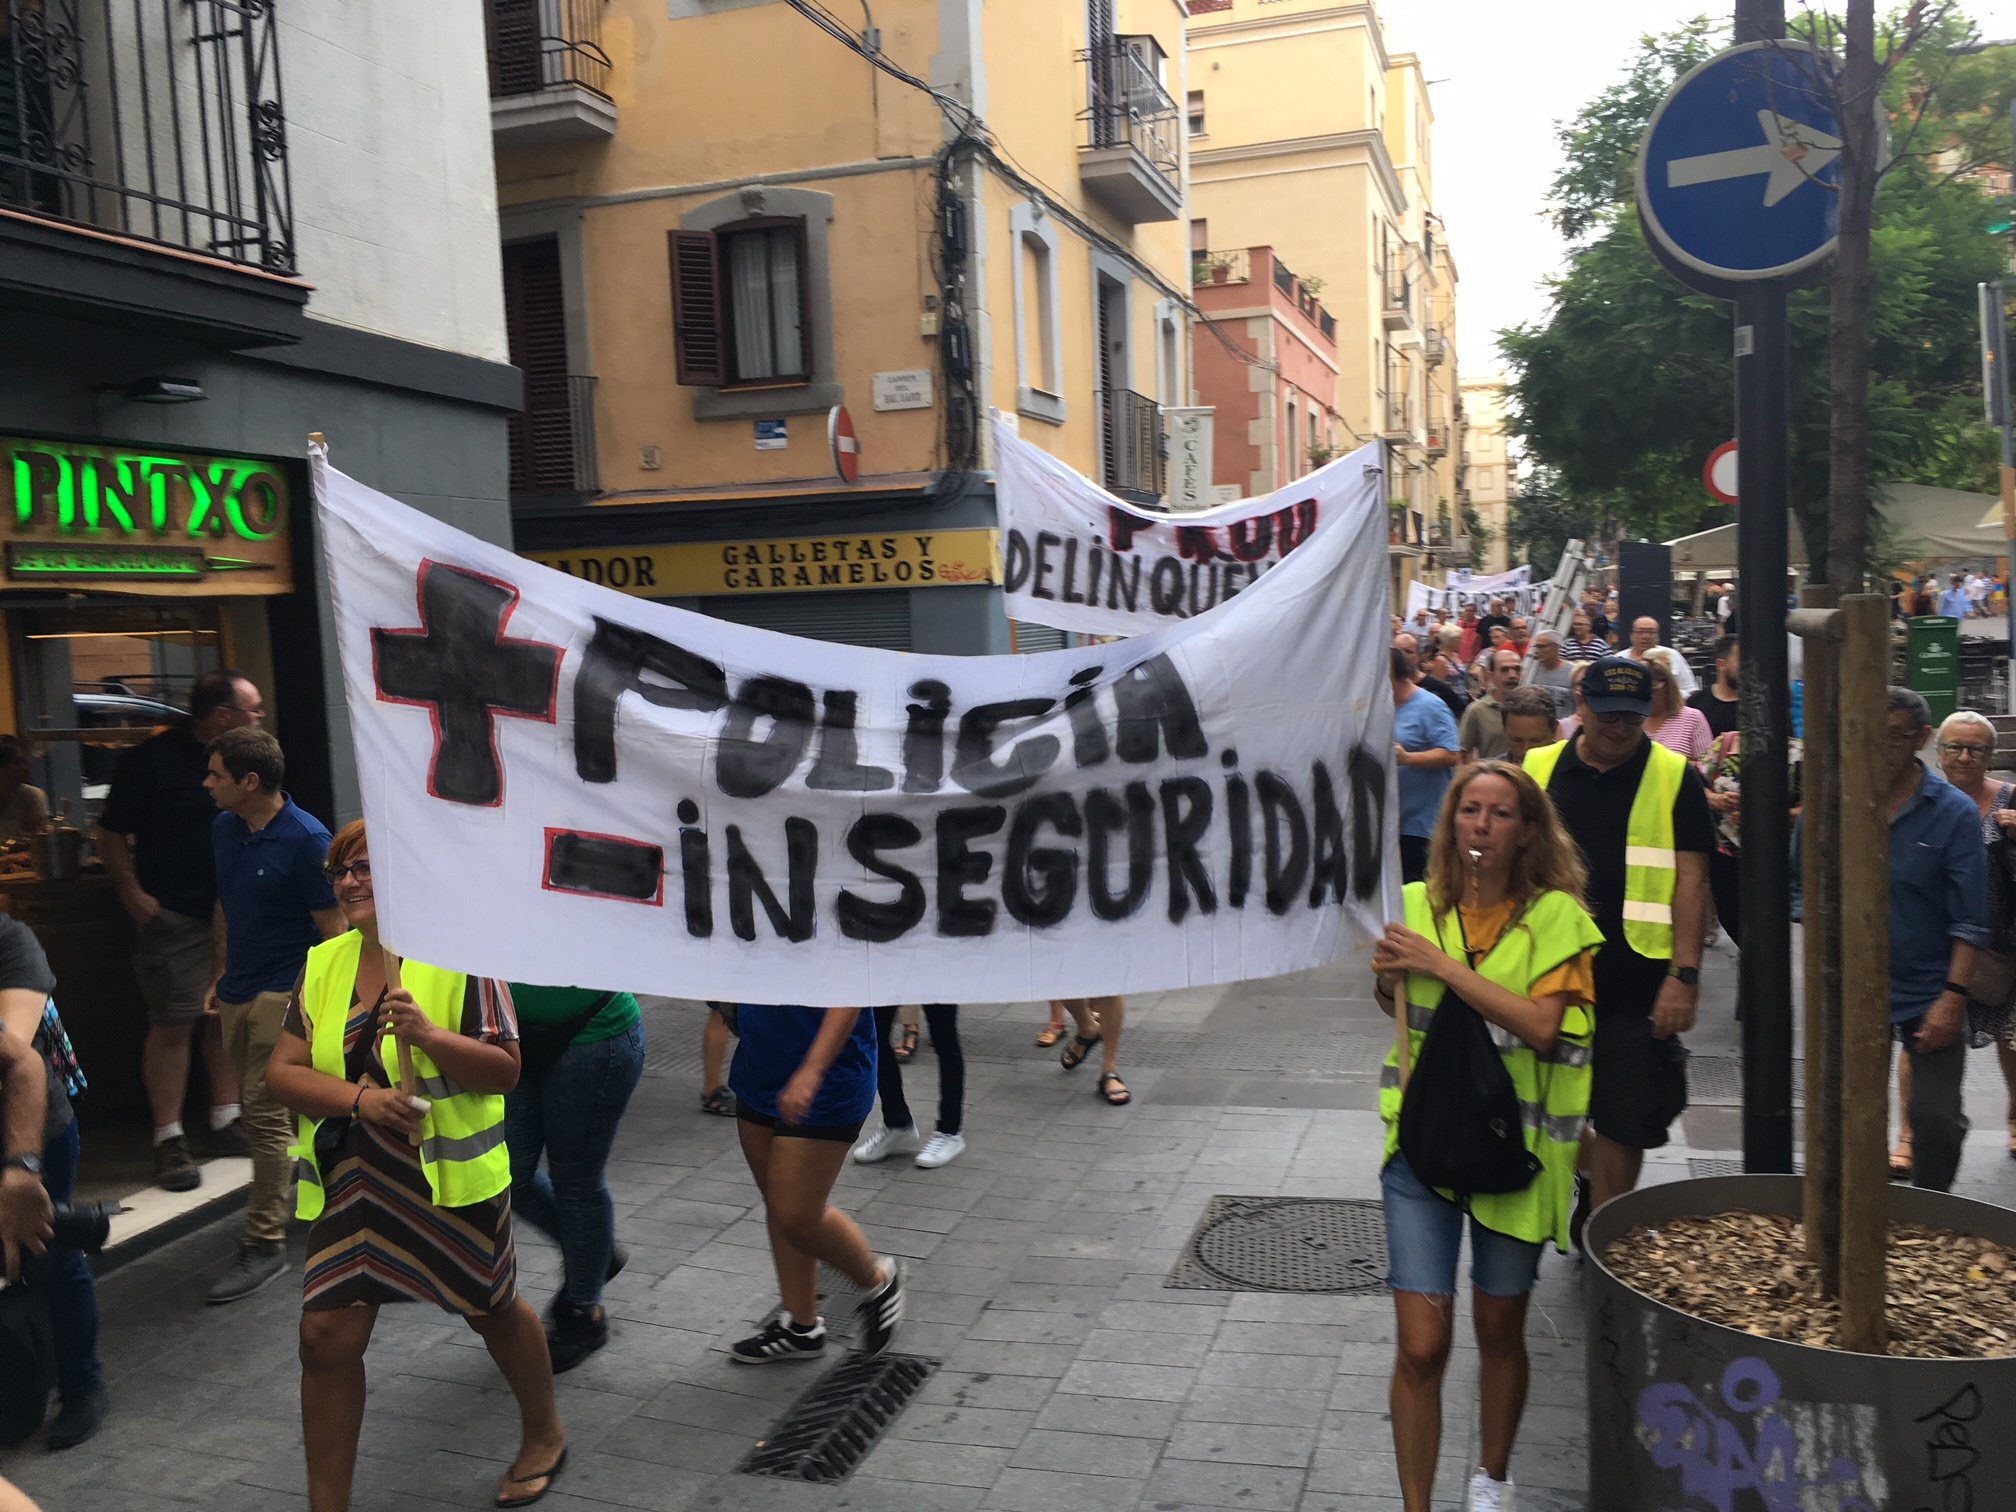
[73,1295]
[1424,1239]
[569,1114]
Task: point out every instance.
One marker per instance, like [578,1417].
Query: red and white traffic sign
[1720,473]
[846,445]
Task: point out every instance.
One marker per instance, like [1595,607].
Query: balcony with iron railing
[1397,306]
[158,125]
[1434,346]
[1136,463]
[1396,418]
[549,73]
[1132,157]
[1241,265]
[552,440]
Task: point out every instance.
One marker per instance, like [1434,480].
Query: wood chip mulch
[1950,1296]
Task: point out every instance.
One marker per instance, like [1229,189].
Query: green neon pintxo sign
[143,516]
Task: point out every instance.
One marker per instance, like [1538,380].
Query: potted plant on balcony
[1320,452]
[1396,515]
[1217,266]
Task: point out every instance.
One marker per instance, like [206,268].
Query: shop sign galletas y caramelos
[133,519]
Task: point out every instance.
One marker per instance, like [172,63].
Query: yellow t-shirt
[1576,978]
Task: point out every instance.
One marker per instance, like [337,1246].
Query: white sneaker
[1487,1495]
[942,1150]
[886,1141]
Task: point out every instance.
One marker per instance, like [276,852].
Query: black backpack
[1460,1126]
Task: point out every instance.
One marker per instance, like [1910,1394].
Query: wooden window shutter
[535,328]
[699,345]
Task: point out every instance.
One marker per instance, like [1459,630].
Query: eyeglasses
[361,870]
[1961,748]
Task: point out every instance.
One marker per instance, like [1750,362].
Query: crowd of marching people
[1568,832]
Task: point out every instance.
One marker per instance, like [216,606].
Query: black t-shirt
[1596,808]
[1723,714]
[157,801]
[24,965]
[1488,622]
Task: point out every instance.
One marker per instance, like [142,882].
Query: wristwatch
[32,1164]
[1686,976]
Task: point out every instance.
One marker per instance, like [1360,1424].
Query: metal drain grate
[833,1426]
[1716,1081]
[1285,1244]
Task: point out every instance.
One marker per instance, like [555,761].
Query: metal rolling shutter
[868,618]
[1027,637]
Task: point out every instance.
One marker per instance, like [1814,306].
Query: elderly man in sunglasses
[274,902]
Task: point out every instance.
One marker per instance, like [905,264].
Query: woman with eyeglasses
[407,1189]
[1966,749]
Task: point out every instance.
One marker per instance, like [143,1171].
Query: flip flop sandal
[550,1474]
[1075,1052]
[907,1046]
[1900,1162]
[1114,1090]
[720,1102]
[1053,1033]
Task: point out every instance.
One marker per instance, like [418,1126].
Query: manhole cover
[1286,1244]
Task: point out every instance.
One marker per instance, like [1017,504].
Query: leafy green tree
[1620,393]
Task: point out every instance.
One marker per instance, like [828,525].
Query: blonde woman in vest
[1499,922]
[405,1206]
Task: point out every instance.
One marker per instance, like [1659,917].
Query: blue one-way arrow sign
[1739,170]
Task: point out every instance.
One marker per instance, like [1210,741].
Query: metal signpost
[1736,177]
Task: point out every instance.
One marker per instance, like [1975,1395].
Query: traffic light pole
[1763,419]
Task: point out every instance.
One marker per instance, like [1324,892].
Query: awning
[1928,524]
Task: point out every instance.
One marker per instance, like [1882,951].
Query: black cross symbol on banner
[461,667]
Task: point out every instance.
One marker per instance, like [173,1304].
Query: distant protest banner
[1079,558]
[1520,597]
[566,784]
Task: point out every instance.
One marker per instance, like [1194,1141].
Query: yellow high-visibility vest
[1553,1088]
[1651,865]
[462,1147]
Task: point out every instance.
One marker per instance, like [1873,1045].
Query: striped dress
[380,1237]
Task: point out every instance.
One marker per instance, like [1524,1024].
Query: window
[1200,236]
[738,304]
[542,434]
[1196,112]
[1288,468]
[1169,354]
[1039,330]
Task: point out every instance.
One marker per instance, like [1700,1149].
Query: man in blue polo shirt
[1425,749]
[274,903]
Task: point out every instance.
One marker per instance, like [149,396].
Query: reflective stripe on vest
[1651,865]
[462,1151]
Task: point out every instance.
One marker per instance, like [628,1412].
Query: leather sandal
[1075,1052]
[1052,1033]
[1900,1160]
[907,1045]
[1114,1090]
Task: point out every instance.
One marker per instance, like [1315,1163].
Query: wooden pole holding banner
[407,1080]
[1403,1041]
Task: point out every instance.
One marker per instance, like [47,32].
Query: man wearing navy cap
[1640,815]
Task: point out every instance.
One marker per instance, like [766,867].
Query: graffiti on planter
[1746,1444]
[1950,1451]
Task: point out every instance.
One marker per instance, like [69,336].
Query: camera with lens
[81,1225]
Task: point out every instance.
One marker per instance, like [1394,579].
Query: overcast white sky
[1505,73]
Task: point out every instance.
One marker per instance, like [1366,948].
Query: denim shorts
[1424,1234]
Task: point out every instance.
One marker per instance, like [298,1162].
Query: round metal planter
[1690,1416]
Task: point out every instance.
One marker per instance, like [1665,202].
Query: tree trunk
[1852,291]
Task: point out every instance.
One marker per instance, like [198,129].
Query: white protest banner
[569,785]
[1518,598]
[1079,558]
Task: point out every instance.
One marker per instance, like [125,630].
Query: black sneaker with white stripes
[780,1341]
[882,1310]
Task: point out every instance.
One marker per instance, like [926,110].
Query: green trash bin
[1932,662]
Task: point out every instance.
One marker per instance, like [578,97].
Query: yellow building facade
[1488,469]
[1309,136]
[723,221]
